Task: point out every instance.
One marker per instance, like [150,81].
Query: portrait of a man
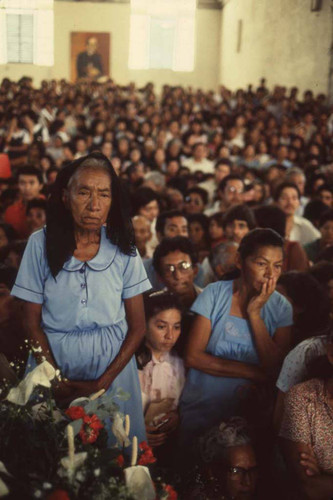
[90,54]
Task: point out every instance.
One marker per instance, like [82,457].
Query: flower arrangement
[52,454]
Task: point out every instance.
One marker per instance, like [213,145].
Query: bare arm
[197,357]
[136,329]
[278,411]
[32,314]
[271,351]
[318,486]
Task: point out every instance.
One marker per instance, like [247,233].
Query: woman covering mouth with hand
[239,337]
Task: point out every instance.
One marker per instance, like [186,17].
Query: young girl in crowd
[161,371]
[215,229]
[198,234]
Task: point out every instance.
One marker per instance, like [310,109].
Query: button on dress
[83,313]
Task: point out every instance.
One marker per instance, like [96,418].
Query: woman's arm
[196,357]
[313,484]
[32,316]
[136,330]
[278,411]
[271,351]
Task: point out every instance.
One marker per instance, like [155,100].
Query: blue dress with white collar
[83,313]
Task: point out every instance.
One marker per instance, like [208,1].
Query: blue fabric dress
[207,399]
[83,313]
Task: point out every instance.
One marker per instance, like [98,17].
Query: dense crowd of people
[224,201]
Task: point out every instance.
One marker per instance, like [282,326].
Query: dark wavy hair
[60,239]
[154,303]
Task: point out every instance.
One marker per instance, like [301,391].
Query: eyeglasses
[232,189]
[182,267]
[240,472]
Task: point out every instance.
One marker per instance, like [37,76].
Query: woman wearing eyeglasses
[227,468]
[239,336]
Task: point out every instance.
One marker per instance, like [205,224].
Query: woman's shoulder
[309,391]
[218,287]
[277,301]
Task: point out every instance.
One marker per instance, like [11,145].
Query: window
[26,32]
[162,34]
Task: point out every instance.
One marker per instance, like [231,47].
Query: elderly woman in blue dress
[81,280]
[239,337]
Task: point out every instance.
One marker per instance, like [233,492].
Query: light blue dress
[83,313]
[207,399]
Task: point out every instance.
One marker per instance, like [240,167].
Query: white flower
[38,494]
[139,483]
[119,431]
[97,472]
[79,459]
[41,375]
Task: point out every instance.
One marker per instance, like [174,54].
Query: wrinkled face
[215,231]
[194,204]
[327,232]
[142,230]
[89,199]
[176,226]
[263,264]
[177,276]
[3,238]
[150,211]
[36,218]
[326,197]
[242,473]
[288,201]
[236,230]
[163,330]
[29,187]
[197,233]
[233,193]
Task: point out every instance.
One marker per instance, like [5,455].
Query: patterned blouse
[308,419]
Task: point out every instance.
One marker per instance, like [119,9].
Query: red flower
[75,412]
[172,494]
[147,457]
[121,461]
[58,495]
[144,446]
[88,435]
[90,428]
[93,422]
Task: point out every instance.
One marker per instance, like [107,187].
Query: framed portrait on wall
[90,55]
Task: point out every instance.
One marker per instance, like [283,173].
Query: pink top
[161,379]
[308,419]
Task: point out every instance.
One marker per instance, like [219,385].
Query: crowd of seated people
[231,198]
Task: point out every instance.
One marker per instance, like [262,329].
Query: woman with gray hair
[228,466]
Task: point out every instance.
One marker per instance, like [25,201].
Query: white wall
[114,18]
[282,40]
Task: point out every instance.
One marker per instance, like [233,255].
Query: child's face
[215,231]
[36,218]
[29,187]
[163,330]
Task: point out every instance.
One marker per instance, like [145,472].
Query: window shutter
[20,38]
